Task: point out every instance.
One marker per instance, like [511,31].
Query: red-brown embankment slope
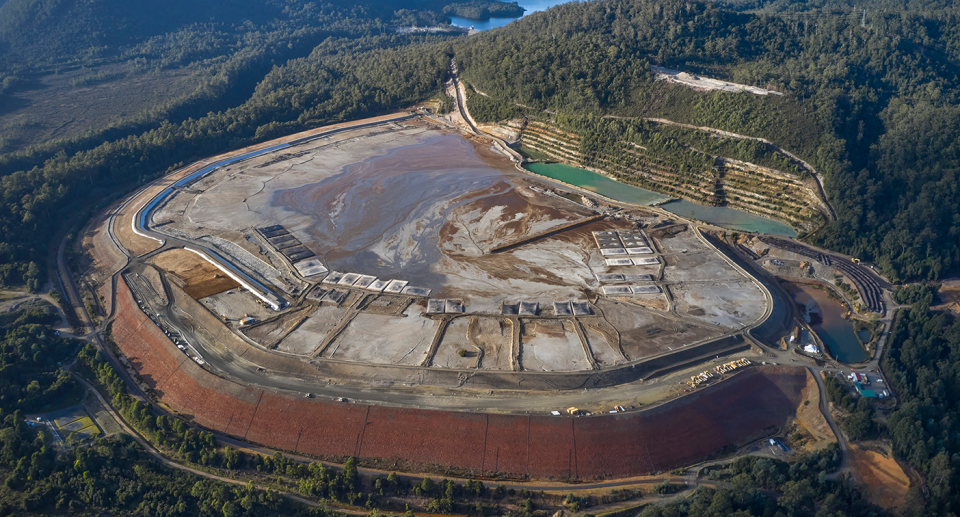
[679,433]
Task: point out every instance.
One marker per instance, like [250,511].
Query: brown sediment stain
[519,216]
[507,265]
[198,277]
[493,337]
[644,334]
[269,333]
[658,303]
[546,328]
[428,212]
[609,333]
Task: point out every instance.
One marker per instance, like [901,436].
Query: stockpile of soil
[199,277]
[811,418]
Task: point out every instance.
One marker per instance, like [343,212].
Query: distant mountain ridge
[68,25]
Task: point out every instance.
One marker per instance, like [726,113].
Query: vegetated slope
[48,26]
[874,112]
[42,29]
[116,476]
[57,58]
[923,366]
[230,60]
[933,9]
[680,162]
[802,489]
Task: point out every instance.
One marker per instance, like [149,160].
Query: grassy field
[77,425]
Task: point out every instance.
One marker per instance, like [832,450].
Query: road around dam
[225,363]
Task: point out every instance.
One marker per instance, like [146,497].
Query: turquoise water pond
[725,217]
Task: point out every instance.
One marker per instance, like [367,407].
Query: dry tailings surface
[406,205]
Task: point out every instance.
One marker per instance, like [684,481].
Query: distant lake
[531,6]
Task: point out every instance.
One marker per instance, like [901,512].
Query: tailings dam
[397,263]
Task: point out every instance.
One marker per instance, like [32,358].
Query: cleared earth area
[379,236]
[198,278]
[403,293]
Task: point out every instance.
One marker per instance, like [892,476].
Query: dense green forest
[923,366]
[229,108]
[804,485]
[874,113]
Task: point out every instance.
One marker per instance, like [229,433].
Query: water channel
[720,216]
[530,6]
[826,319]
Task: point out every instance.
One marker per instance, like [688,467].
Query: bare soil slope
[678,433]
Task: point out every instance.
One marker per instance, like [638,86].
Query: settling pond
[826,319]
[730,218]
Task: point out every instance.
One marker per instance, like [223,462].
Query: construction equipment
[732,365]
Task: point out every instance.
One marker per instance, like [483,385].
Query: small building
[870,394]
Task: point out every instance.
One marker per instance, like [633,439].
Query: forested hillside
[207,56]
[923,365]
[48,29]
[483,10]
[872,110]
[871,100]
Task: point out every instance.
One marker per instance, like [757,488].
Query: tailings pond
[826,319]
[428,210]
[720,216]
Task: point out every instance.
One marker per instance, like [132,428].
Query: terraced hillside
[639,153]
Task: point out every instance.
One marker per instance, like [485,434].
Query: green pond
[720,216]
